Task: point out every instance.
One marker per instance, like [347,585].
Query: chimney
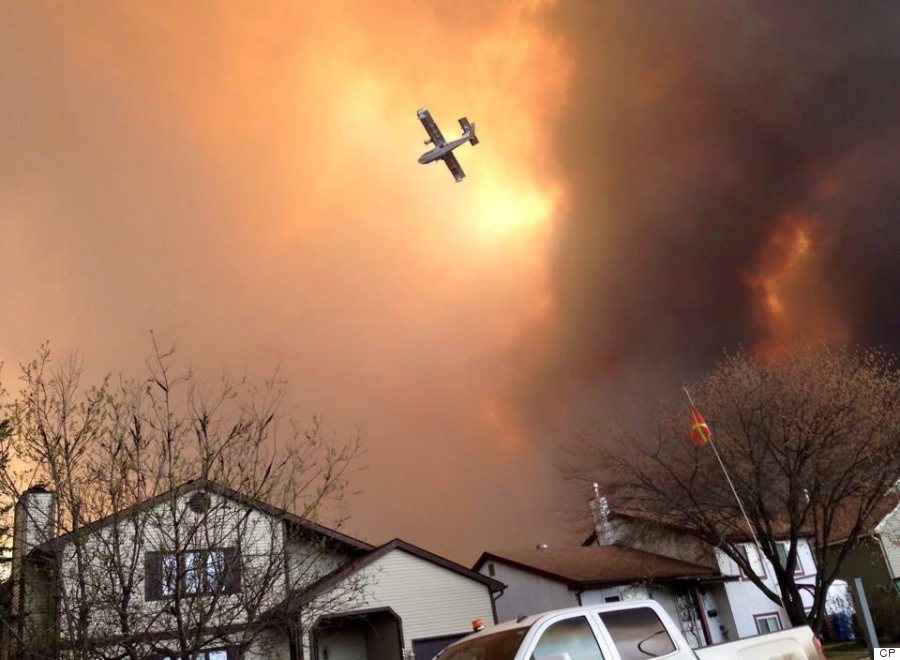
[34,519]
[34,524]
[599,507]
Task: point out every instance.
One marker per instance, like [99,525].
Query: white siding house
[751,610]
[875,555]
[433,600]
[544,579]
[527,592]
[207,572]
[143,544]
[888,533]
[741,608]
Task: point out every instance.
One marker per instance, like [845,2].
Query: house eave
[353,544]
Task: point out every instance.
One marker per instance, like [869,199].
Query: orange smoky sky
[655,183]
[242,179]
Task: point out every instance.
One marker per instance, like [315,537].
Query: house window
[193,573]
[169,574]
[218,654]
[751,555]
[204,572]
[766,623]
[612,599]
[783,557]
[491,570]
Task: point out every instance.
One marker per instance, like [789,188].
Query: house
[422,598]
[546,578]
[875,556]
[751,610]
[743,609]
[203,572]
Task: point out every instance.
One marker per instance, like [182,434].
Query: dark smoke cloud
[694,130]
[242,178]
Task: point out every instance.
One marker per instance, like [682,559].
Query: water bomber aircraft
[443,150]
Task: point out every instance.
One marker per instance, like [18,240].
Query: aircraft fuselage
[440,152]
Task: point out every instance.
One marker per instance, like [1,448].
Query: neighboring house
[875,556]
[550,578]
[232,577]
[417,596]
[751,610]
[743,608]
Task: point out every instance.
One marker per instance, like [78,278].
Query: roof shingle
[597,565]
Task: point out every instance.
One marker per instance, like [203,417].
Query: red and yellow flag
[700,433]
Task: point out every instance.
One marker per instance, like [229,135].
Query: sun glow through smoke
[273,149]
[242,177]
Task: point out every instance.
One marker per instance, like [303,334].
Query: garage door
[426,649]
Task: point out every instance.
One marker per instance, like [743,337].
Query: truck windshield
[497,646]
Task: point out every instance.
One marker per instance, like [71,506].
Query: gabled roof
[397,544]
[638,517]
[843,524]
[594,566]
[354,545]
[782,531]
[845,520]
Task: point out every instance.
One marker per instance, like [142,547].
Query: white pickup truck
[636,630]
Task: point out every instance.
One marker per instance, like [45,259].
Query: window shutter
[152,576]
[234,653]
[232,570]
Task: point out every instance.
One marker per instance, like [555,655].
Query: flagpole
[731,485]
[762,557]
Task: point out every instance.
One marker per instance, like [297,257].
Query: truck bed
[794,643]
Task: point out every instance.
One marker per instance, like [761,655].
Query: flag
[700,433]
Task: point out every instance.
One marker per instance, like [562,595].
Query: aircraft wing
[433,131]
[455,167]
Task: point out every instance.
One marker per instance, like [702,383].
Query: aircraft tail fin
[469,129]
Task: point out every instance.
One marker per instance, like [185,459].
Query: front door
[345,642]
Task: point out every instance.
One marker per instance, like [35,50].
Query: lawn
[846,651]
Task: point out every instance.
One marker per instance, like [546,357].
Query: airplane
[442,148]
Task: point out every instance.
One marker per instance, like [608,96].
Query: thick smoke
[242,178]
[732,170]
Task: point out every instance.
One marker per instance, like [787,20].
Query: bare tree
[811,441]
[191,485]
